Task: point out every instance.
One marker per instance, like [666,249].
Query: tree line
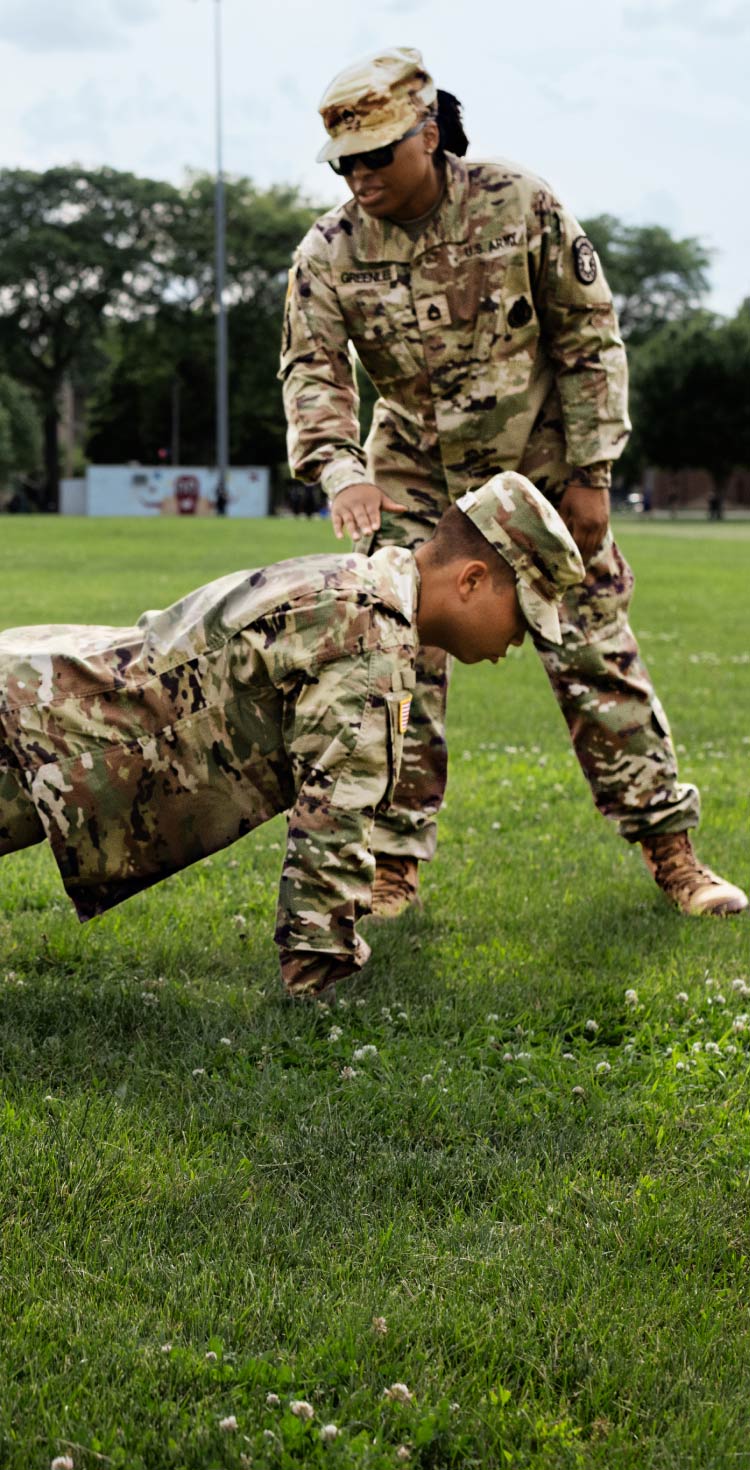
[106,287]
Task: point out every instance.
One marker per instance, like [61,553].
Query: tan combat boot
[396,886]
[671,860]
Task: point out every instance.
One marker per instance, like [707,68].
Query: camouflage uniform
[139,750]
[493,342]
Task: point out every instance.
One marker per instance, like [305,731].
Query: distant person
[222,498]
[139,750]
[478,307]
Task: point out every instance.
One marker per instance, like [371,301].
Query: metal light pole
[222,406]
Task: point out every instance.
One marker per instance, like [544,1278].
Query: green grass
[565,1275]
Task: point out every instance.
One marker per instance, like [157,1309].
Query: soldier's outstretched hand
[357,509]
[585,511]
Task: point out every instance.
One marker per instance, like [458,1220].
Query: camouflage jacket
[466,332]
[284,689]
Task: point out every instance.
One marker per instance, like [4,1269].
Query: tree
[78,245]
[691,406]
[20,431]
[173,351]
[655,278]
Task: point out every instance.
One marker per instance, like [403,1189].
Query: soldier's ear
[472,575]
[431,135]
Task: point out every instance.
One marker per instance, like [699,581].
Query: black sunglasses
[376,158]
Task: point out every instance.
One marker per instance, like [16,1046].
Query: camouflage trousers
[619,730]
[19,823]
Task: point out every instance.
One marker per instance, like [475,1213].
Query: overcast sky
[639,108]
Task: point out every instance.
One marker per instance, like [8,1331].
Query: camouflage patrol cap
[529,534]
[376,101]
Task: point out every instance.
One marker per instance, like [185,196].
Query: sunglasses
[376,158]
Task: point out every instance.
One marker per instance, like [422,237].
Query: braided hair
[450,124]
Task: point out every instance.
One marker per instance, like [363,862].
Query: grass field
[552,1216]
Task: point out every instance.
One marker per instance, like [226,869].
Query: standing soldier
[478,307]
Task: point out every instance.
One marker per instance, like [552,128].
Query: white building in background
[186,490]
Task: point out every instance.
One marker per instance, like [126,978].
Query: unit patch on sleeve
[584,260]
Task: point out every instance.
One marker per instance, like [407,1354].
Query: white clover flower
[239,921]
[721,1000]
[508,1056]
[603,1067]
[697,1046]
[591,1027]
[335,1033]
[347,1073]
[302,1409]
[403,1453]
[62,1462]
[402,1015]
[385,1012]
[329,1432]
[229,1424]
[225,1041]
[680,1067]
[738,984]
[631,997]
[360,1002]
[568,1056]
[731,1051]
[739,1023]
[212,1357]
[427,1077]
[364,1051]
[523,1056]
[343,1005]
[579,1092]
[273,1400]
[379,1326]
[492,1016]
[455,1408]
[629,1046]
[668,1051]
[683,997]
[269,1435]
[713,1048]
[199,1071]
[166,1347]
[399,1392]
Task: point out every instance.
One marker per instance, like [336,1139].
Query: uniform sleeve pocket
[399,707]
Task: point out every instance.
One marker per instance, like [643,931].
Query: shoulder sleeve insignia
[584,261]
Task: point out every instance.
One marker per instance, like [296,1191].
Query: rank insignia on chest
[433,311]
[404,709]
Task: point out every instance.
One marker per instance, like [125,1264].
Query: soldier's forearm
[308,974]
[597,476]
[342,470]
[325,885]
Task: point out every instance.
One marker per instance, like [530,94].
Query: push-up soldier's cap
[529,534]
[376,101]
